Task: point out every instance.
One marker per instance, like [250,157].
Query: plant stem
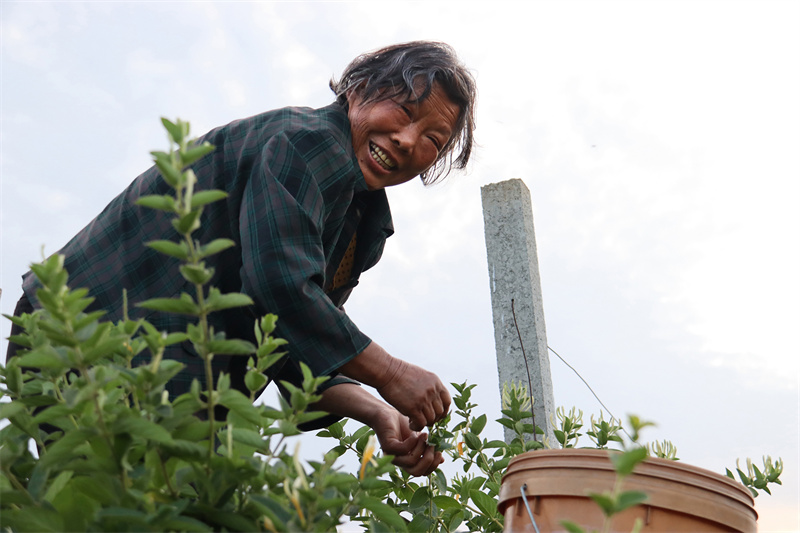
[19,486]
[60,398]
[102,422]
[615,495]
[479,512]
[164,473]
[205,354]
[272,452]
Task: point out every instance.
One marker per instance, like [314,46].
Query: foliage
[93,441]
[468,499]
[116,453]
[755,479]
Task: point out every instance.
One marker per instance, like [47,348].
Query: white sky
[660,142]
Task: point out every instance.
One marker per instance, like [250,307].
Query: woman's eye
[435,142]
[405,109]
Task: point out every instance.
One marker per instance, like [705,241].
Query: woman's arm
[412,390]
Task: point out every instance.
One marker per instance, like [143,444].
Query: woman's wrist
[374,366]
[351,401]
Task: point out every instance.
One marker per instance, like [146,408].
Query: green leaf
[57,485]
[420,522]
[9,410]
[103,349]
[214,247]
[197,274]
[169,171]
[142,428]
[218,302]
[572,527]
[629,499]
[42,358]
[162,203]
[625,462]
[255,381]
[87,320]
[51,413]
[179,250]
[420,498]
[446,502]
[743,477]
[188,222]
[190,155]
[231,347]
[185,449]
[337,429]
[66,448]
[183,305]
[484,502]
[383,512]
[13,372]
[175,131]
[241,405]
[605,501]
[43,520]
[460,402]
[229,520]
[505,422]
[184,523]
[249,437]
[472,441]
[478,424]
[12,497]
[38,480]
[173,338]
[202,198]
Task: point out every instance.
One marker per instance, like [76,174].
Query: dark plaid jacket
[295,196]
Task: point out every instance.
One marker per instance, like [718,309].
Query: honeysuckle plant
[93,442]
[90,440]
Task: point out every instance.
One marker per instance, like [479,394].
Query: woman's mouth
[380,157]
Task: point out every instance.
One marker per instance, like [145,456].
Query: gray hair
[409,70]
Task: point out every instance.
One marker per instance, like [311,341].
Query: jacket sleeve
[281,220]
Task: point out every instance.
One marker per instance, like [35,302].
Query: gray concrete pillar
[514,275]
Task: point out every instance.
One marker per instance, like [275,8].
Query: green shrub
[116,453]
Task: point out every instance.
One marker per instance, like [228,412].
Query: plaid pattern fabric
[296,196]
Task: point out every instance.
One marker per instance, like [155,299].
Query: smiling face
[396,140]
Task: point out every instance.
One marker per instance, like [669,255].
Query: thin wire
[590,389]
[525,358]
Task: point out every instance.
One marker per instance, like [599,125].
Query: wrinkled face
[395,140]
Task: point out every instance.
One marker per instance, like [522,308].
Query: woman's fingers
[421,460]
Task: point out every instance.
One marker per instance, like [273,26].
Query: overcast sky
[660,142]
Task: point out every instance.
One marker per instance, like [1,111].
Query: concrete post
[514,275]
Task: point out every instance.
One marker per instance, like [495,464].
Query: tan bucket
[681,497]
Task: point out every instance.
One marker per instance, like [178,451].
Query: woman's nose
[405,138]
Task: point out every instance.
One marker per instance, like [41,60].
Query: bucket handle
[522,490]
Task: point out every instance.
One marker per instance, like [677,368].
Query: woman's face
[395,140]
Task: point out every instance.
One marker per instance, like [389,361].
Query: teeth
[381,158]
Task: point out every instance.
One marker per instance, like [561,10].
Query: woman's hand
[412,390]
[410,448]
[416,393]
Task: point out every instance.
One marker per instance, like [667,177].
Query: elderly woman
[307,209]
